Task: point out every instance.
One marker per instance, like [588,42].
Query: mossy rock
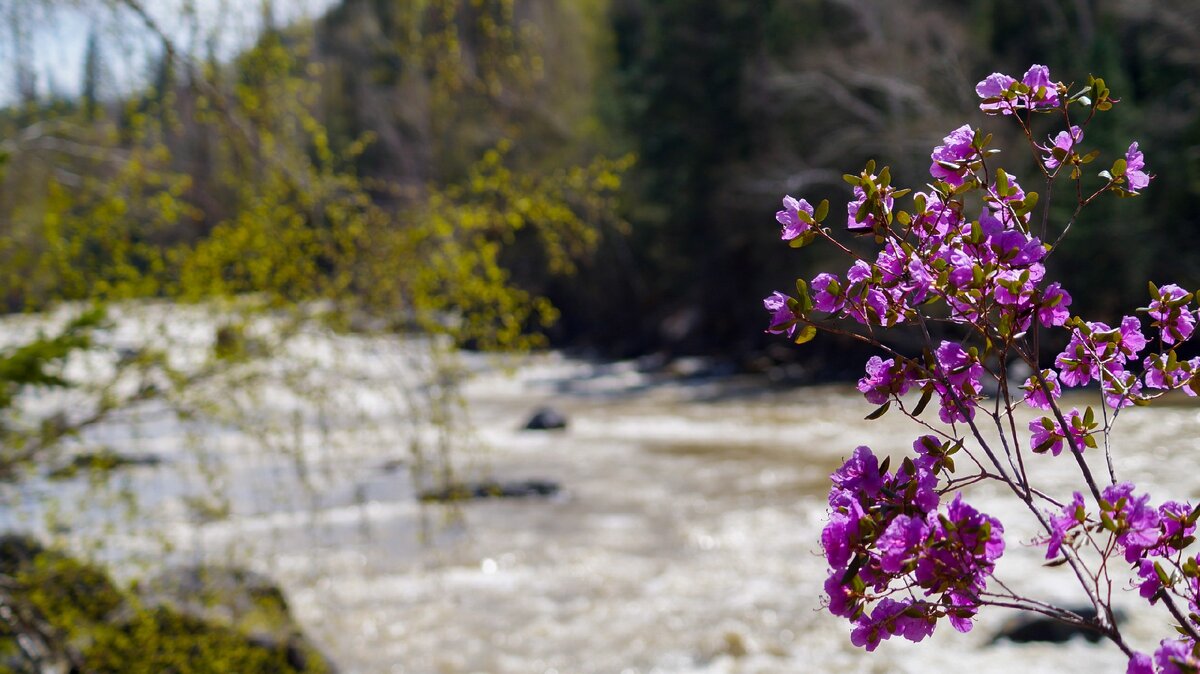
[64,615]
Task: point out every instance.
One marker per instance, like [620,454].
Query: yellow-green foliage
[462,231]
[80,615]
[105,239]
[263,203]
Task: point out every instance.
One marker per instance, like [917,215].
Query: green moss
[81,616]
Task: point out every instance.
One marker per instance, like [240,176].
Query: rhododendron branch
[1184,623]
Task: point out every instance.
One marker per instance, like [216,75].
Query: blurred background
[704,113]
[276,238]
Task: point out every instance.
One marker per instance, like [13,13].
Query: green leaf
[1162,574]
[806,303]
[882,410]
[923,402]
[822,211]
[1002,183]
[805,334]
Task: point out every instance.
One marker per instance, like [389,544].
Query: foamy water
[685,538]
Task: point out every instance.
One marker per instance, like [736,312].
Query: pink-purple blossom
[1136,177]
[1172,315]
[1053,309]
[1048,435]
[884,379]
[789,217]
[1035,396]
[1065,143]
[951,157]
[827,293]
[1177,656]
[782,318]
[1073,515]
[999,96]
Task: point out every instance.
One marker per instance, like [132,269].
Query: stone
[546,419]
[466,491]
[1030,627]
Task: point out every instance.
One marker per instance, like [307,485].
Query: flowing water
[684,538]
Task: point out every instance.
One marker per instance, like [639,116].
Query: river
[685,537]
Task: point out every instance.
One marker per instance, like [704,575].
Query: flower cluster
[1002,94]
[887,538]
[1151,540]
[962,266]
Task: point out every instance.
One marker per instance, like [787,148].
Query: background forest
[641,146]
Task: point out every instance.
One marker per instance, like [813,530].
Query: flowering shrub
[965,259]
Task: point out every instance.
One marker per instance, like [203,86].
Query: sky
[53,35]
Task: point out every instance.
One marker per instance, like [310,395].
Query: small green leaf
[822,211]
[882,410]
[923,402]
[1162,574]
[805,334]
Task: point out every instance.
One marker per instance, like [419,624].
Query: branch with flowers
[967,260]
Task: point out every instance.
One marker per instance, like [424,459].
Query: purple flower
[1072,515]
[1136,521]
[1160,374]
[1035,396]
[962,549]
[928,449]
[1151,583]
[1052,310]
[789,217]
[994,86]
[1174,519]
[959,385]
[842,601]
[840,534]
[1135,175]
[1120,388]
[1013,288]
[868,221]
[1064,141]
[1048,435]
[1171,314]
[1132,339]
[889,618]
[996,90]
[782,318]
[1139,663]
[900,542]
[1043,93]
[958,366]
[1016,248]
[955,149]
[826,293]
[883,378]
[914,627]
[1176,657]
[860,474]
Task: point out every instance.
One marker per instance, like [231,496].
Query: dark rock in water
[1034,627]
[65,615]
[546,419]
[479,490]
[102,461]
